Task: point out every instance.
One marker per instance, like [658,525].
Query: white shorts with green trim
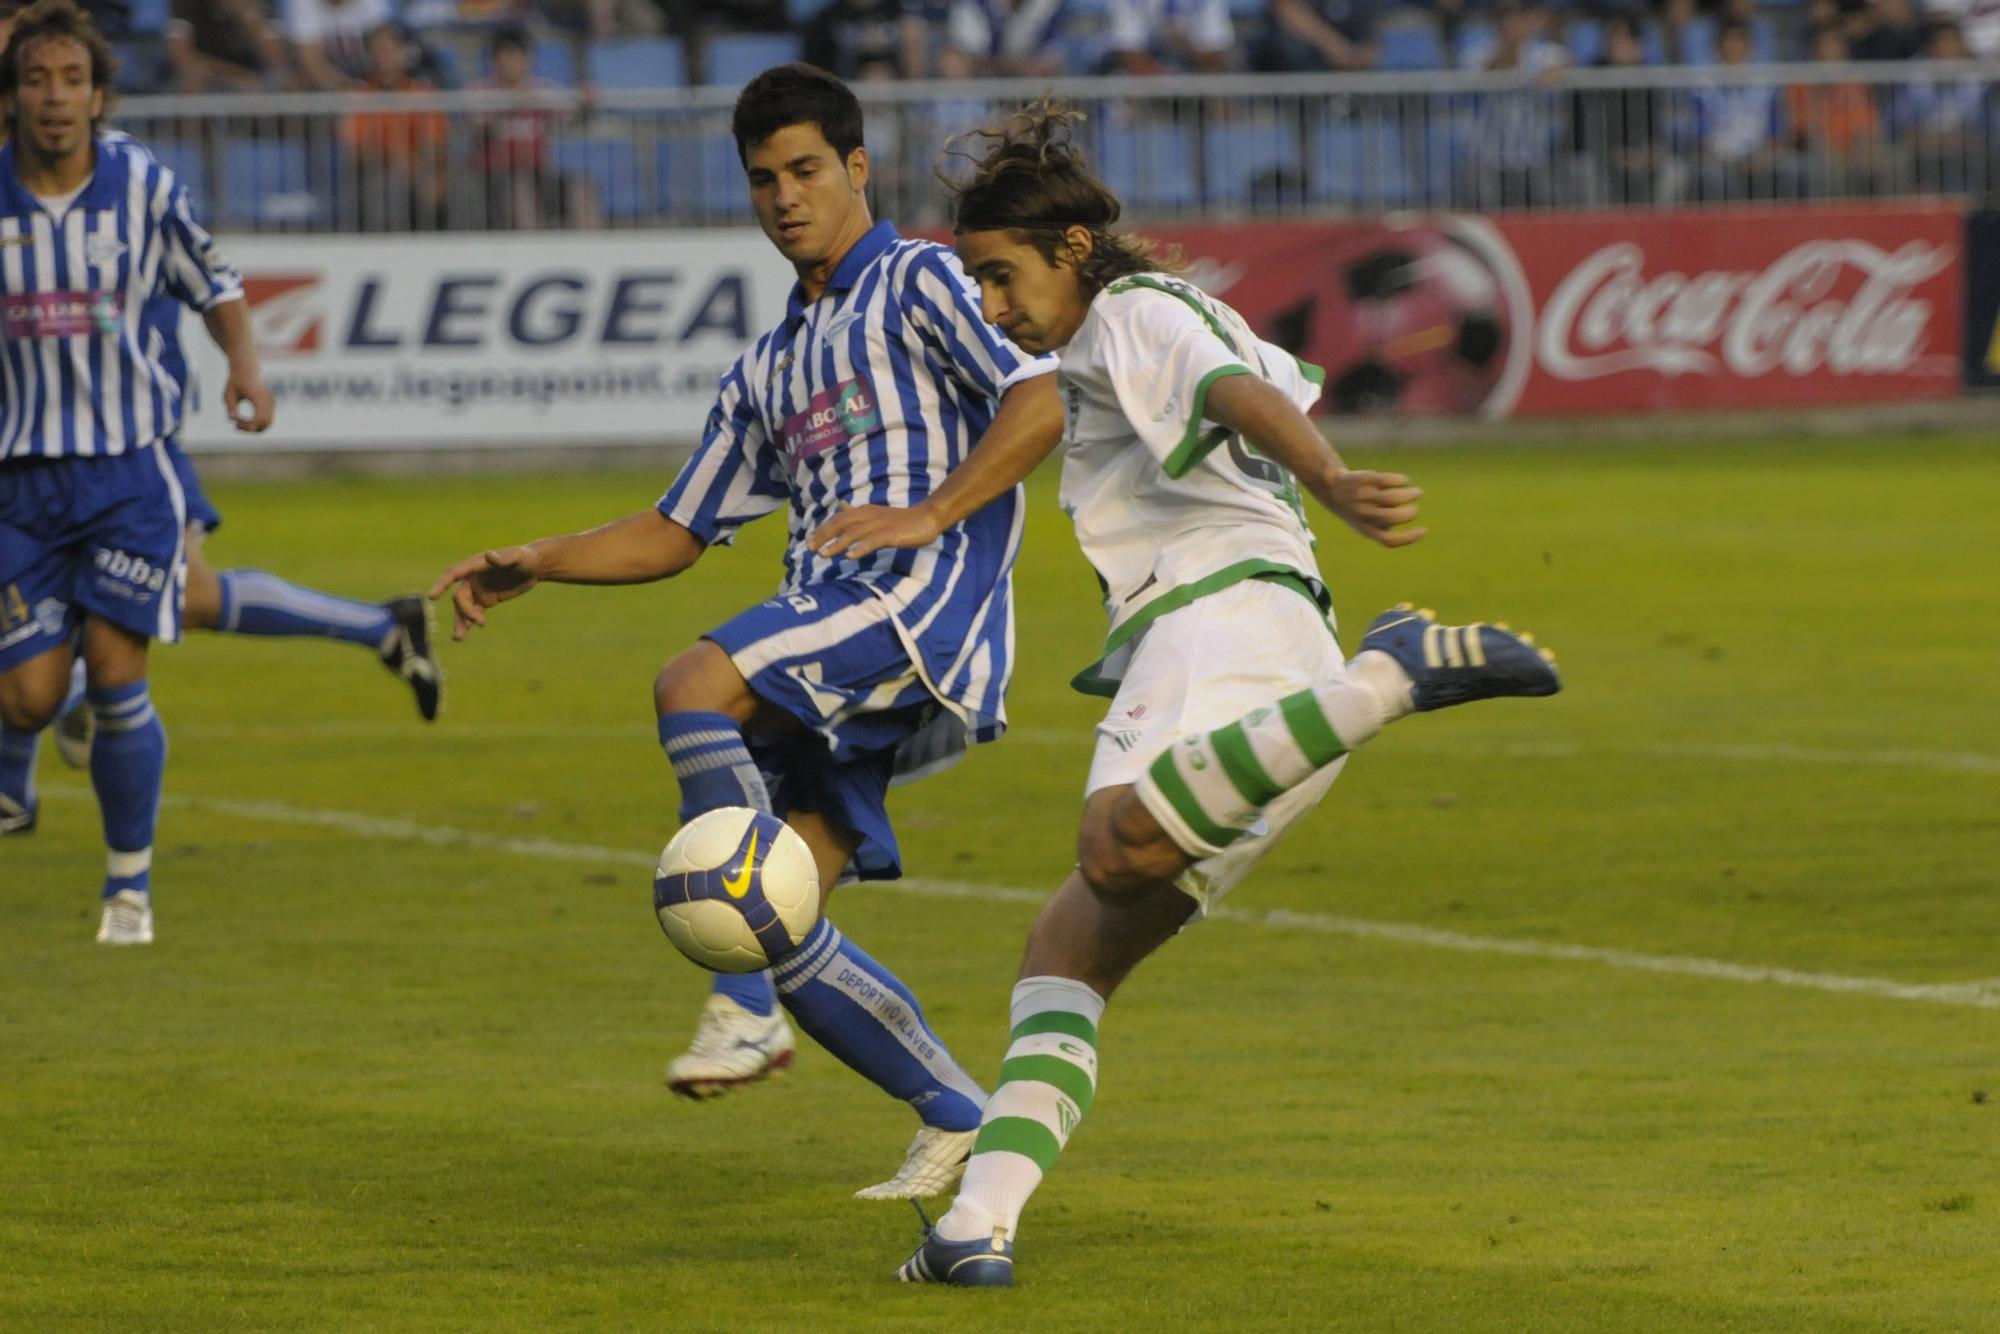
[1201,667]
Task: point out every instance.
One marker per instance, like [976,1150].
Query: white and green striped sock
[1208,790]
[1046,1084]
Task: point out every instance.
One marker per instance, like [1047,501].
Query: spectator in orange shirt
[1834,126]
[398,155]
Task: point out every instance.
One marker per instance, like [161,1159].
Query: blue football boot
[1456,664]
[962,1264]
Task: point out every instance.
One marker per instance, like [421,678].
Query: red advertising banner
[1604,312]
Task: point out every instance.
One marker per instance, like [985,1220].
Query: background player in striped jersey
[240,601]
[876,384]
[1232,707]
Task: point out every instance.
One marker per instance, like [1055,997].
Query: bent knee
[30,708]
[702,679]
[1115,861]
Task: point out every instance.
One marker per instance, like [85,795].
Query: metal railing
[1185,148]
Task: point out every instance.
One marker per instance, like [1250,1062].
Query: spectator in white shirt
[1153,36]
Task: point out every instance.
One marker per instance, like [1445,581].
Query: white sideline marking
[1948,761]
[1982,995]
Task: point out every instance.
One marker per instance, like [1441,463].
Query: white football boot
[933,1165]
[732,1047]
[128,919]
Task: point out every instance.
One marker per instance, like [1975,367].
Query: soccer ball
[735,889]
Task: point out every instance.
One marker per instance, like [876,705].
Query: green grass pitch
[395,1061]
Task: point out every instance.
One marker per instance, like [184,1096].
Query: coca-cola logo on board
[1844,306]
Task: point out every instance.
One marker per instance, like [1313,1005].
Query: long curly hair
[1028,174]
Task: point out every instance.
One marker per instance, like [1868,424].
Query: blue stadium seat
[1149,166]
[149,16]
[1412,46]
[733,60]
[700,177]
[612,166]
[1698,41]
[798,11]
[1363,166]
[556,61]
[1585,40]
[269,183]
[1475,38]
[638,62]
[1444,151]
[1243,160]
[190,165]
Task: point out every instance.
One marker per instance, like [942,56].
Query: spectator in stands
[1736,131]
[1834,127]
[1890,31]
[224,46]
[1008,37]
[524,190]
[1154,36]
[1299,35]
[860,39]
[1622,136]
[1512,158]
[329,39]
[1943,126]
[398,156]
[1976,21]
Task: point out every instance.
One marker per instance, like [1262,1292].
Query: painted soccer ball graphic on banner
[1418,320]
[735,889]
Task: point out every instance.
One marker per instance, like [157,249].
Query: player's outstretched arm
[1378,505]
[1025,430]
[636,549]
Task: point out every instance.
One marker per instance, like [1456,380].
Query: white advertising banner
[474,340]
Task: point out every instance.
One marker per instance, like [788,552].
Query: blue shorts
[99,536]
[199,512]
[830,656]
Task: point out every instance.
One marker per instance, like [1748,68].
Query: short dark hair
[796,94]
[58,18]
[508,38]
[1029,177]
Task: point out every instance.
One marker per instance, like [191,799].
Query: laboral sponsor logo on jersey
[831,417]
[59,314]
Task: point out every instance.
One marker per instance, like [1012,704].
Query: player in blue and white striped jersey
[98,253]
[878,382]
[232,601]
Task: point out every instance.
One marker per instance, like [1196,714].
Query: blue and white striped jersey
[870,395]
[90,307]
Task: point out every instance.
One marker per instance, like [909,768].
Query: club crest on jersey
[101,250]
[831,417]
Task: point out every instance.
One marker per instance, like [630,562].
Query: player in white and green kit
[1233,708]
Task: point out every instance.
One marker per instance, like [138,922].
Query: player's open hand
[248,388]
[861,529]
[1381,506]
[483,581]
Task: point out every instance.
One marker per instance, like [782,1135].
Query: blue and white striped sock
[128,762]
[714,769]
[859,1011]
[256,603]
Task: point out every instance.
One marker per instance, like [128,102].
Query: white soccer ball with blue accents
[736,889]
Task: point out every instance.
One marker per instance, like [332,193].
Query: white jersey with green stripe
[1169,506]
